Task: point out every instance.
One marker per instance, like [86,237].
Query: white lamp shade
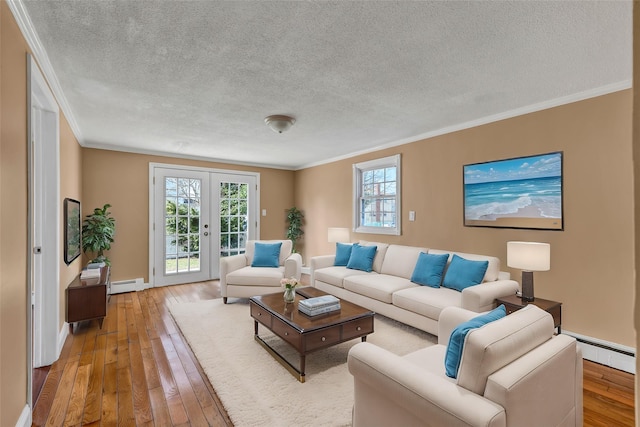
[336,234]
[530,256]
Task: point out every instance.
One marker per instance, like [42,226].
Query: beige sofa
[389,291]
[238,279]
[513,372]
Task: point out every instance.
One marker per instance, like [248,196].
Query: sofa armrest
[450,317]
[318,262]
[229,264]
[482,297]
[388,390]
[293,266]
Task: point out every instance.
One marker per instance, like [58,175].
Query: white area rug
[255,389]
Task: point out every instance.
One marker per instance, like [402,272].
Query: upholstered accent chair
[513,372]
[240,280]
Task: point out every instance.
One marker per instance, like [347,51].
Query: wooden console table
[86,299]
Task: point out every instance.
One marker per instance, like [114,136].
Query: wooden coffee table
[304,333]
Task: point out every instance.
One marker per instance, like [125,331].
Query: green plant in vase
[98,230]
[294,230]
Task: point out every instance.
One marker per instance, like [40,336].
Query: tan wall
[13,222]
[14,219]
[636,158]
[591,260]
[70,186]
[122,180]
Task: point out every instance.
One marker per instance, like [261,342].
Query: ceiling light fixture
[279,123]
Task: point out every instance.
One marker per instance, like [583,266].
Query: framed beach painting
[524,192]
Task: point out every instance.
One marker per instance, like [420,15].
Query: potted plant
[98,230]
[294,231]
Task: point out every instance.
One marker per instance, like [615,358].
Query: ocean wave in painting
[541,197]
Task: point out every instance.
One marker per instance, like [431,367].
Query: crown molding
[42,59]
[545,105]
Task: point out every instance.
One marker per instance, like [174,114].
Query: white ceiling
[197,78]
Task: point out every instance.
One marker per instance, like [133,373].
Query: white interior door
[44,221]
[197,216]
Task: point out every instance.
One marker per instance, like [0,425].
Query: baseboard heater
[606,353]
[131,285]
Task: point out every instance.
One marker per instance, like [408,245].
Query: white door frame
[43,272]
[152,196]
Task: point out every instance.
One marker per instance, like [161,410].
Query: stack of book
[90,273]
[319,305]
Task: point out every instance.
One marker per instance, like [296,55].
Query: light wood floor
[139,370]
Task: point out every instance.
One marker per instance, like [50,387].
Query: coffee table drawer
[261,315]
[323,338]
[286,332]
[357,328]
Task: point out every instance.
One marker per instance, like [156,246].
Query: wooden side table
[513,303]
[87,299]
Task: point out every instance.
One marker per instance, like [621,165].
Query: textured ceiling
[197,78]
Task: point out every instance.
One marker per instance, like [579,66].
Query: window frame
[358,170]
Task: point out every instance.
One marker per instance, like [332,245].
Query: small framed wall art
[523,192]
[72,230]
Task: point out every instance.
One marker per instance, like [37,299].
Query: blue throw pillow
[463,273]
[458,335]
[362,257]
[429,268]
[343,253]
[266,255]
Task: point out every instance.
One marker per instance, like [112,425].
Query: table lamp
[529,257]
[336,234]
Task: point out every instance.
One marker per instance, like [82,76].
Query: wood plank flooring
[138,370]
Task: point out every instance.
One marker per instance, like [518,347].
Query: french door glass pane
[233,218]
[182,225]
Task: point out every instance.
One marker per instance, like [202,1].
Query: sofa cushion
[266,254]
[400,260]
[429,359]
[335,275]
[380,254]
[429,269]
[427,301]
[362,257]
[493,269]
[285,249]
[463,273]
[343,253]
[377,286]
[499,343]
[256,276]
[458,335]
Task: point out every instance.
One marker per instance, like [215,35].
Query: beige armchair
[513,372]
[238,279]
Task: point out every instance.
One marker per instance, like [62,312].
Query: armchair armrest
[318,262]
[482,297]
[229,264]
[293,266]
[388,390]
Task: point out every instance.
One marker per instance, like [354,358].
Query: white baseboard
[25,417]
[131,285]
[306,270]
[606,353]
[62,337]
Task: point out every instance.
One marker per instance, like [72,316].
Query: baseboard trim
[306,270]
[62,337]
[131,285]
[606,353]
[25,417]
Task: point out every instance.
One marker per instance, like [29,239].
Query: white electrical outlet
[264,212]
[412,215]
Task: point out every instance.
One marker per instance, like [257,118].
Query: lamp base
[527,286]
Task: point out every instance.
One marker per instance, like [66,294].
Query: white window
[376,201]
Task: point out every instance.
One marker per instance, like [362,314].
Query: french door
[198,216]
